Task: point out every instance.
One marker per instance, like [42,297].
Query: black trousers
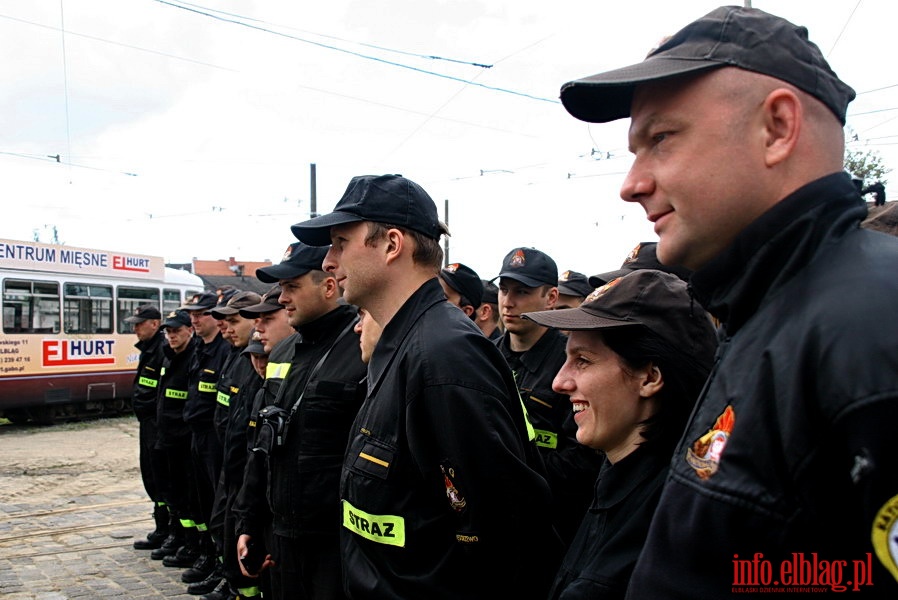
[308,568]
[206,455]
[152,461]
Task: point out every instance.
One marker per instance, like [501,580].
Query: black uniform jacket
[173,396]
[599,562]
[205,368]
[442,487]
[237,368]
[243,383]
[146,381]
[791,453]
[571,467]
[303,475]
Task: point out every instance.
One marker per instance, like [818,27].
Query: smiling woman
[637,355]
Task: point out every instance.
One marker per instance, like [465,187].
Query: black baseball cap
[237,301]
[490,292]
[645,298]
[269,303]
[206,301]
[729,36]
[255,345]
[464,280]
[642,256]
[177,318]
[144,312]
[573,283]
[390,199]
[298,260]
[530,266]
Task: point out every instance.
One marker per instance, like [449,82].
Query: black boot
[156,537]
[187,554]
[202,568]
[222,591]
[207,585]
[171,544]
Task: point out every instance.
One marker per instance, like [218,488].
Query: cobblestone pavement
[71,504]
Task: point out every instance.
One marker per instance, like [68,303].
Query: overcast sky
[188,130]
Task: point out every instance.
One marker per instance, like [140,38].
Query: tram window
[87,308]
[30,306]
[171,300]
[128,299]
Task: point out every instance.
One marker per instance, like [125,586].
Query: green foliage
[866,165]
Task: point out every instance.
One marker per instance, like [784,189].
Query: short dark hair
[684,376]
[427,250]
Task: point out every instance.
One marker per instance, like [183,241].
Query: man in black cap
[462,287]
[737,131]
[442,490]
[294,469]
[486,317]
[236,377]
[199,552]
[270,328]
[642,256]
[146,322]
[528,283]
[573,288]
[173,435]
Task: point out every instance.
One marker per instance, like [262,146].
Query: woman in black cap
[637,355]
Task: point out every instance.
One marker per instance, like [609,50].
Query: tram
[65,348]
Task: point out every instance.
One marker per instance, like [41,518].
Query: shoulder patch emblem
[456,500]
[704,454]
[885,536]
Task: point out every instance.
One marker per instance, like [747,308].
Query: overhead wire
[357,54]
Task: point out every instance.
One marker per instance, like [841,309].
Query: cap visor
[225,311]
[275,273]
[317,231]
[575,319]
[251,312]
[528,281]
[607,96]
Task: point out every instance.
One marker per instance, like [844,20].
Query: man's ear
[395,242]
[551,297]
[331,288]
[783,117]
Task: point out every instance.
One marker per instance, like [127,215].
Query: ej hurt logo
[64,353]
[130,263]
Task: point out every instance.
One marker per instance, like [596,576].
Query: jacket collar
[776,246]
[429,294]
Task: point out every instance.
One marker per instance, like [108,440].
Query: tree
[866,166]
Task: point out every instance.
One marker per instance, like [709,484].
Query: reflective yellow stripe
[383,529]
[531,433]
[234,390]
[146,381]
[223,399]
[249,592]
[205,386]
[179,394]
[277,370]
[546,439]
[374,459]
[202,527]
[187,523]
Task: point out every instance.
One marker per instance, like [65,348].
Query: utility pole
[313,203]
[446,237]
